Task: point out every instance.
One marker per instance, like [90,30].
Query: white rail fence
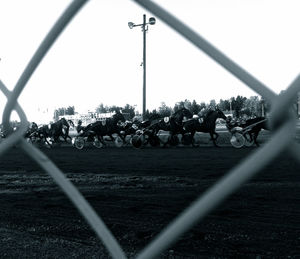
[283,133]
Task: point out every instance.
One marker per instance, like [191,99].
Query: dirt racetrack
[137,193]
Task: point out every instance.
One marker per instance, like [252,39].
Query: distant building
[87,118]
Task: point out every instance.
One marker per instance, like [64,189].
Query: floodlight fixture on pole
[131,25]
[144,26]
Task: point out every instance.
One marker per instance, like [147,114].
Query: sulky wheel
[118,141]
[137,141]
[237,140]
[78,142]
[97,143]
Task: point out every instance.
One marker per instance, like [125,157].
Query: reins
[254,124]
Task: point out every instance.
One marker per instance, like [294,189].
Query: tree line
[63,111]
[239,106]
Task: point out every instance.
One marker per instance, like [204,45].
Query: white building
[87,118]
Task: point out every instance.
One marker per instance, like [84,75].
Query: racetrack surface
[137,192]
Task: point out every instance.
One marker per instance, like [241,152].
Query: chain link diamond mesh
[282,137]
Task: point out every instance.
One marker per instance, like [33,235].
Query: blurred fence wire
[283,133]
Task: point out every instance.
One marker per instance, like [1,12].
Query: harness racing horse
[107,127]
[128,128]
[145,131]
[258,123]
[172,124]
[208,125]
[55,130]
[32,132]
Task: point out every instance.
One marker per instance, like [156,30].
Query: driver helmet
[79,122]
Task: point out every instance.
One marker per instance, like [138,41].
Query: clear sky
[97,58]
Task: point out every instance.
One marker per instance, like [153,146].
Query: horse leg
[47,142]
[119,135]
[213,135]
[111,137]
[214,139]
[55,138]
[69,138]
[182,134]
[255,135]
[173,140]
[248,136]
[217,135]
[193,139]
[168,141]
[66,138]
[101,138]
[123,137]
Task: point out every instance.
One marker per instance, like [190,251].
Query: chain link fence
[283,133]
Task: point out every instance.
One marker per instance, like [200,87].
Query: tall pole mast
[144,26]
[144,66]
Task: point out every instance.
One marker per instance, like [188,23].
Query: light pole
[144,26]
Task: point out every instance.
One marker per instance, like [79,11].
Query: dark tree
[212,103]
[202,105]
[152,114]
[238,104]
[70,110]
[129,111]
[164,110]
[179,105]
[102,109]
[195,108]
[224,105]
[114,108]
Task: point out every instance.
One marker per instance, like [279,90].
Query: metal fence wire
[283,133]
